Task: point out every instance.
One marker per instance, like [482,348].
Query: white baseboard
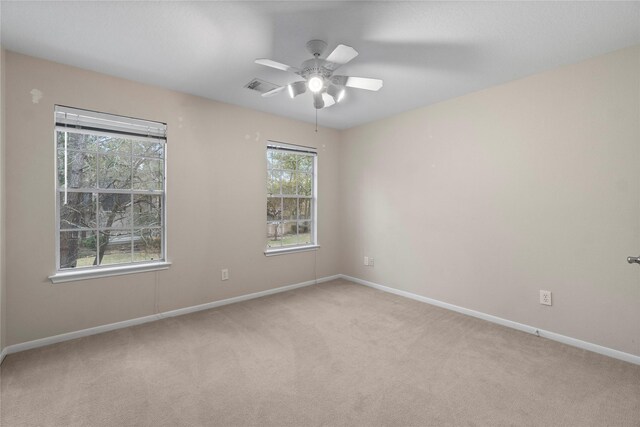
[616,354]
[187,310]
[140,320]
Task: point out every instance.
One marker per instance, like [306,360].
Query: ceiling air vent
[260,86]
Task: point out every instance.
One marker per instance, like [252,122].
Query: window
[110,190]
[291,197]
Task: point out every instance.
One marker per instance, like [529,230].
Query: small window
[291,197]
[110,190]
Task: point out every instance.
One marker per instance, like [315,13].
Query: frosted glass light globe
[315,84]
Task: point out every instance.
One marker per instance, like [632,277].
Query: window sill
[282,251]
[94,273]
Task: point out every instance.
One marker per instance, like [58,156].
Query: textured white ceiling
[425,52]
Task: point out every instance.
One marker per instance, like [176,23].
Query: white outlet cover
[366,260]
[545,297]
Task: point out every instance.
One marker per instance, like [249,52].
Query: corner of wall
[3,299]
[345,205]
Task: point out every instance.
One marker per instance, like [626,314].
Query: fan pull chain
[316,120]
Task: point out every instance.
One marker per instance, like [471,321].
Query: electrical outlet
[366,260]
[545,297]
[224,273]
[370,262]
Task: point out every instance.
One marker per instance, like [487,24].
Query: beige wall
[483,200]
[3,300]
[216,200]
[480,201]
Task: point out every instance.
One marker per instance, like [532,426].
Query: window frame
[95,271]
[313,153]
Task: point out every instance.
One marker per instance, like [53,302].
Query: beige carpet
[331,354]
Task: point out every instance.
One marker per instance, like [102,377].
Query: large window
[110,190]
[291,197]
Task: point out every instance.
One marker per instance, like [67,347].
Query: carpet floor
[335,354]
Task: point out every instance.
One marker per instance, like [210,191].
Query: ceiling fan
[317,73]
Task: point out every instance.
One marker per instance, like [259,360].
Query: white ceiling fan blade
[328,100]
[318,101]
[273,91]
[277,65]
[340,56]
[358,82]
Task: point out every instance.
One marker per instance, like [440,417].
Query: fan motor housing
[315,66]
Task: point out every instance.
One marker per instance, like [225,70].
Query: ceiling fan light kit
[317,73]
[337,92]
[315,84]
[297,88]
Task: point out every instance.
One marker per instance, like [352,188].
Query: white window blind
[68,117]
